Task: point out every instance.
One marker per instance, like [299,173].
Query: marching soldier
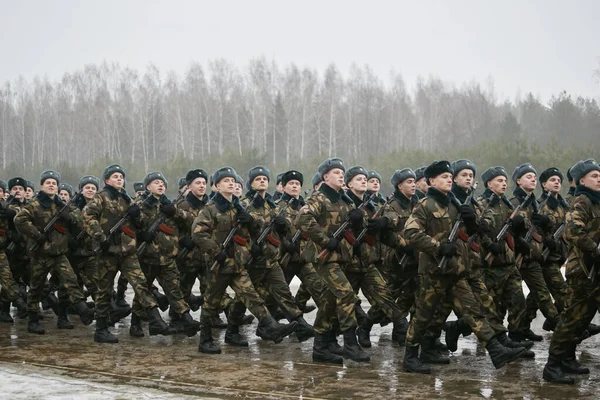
[421,182]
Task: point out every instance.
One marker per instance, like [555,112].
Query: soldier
[279,188]
[65,192]
[18,258]
[239,187]
[427,229]
[373,187]
[3,190]
[29,190]
[157,258]
[139,189]
[182,186]
[324,212]
[48,250]
[117,252]
[264,270]
[571,193]
[209,230]
[583,233]
[421,181]
[317,180]
[525,177]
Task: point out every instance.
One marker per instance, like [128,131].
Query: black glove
[7,213]
[518,223]
[168,209]
[145,236]
[356,218]
[377,224]
[72,241]
[540,220]
[522,246]
[332,245]
[221,257]
[14,236]
[447,249]
[187,242]
[41,241]
[290,247]
[65,215]
[134,211]
[258,201]
[104,246]
[496,249]
[256,251]
[551,244]
[356,250]
[280,224]
[244,217]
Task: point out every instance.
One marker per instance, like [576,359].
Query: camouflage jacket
[82,243]
[33,218]
[13,235]
[263,210]
[105,209]
[556,208]
[400,210]
[499,209]
[527,212]
[4,228]
[213,224]
[307,253]
[429,226]
[583,233]
[165,246]
[192,206]
[570,197]
[322,215]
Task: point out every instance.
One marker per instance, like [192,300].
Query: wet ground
[68,364]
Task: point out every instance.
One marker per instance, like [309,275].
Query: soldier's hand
[447,250]
[41,240]
[496,249]
[408,250]
[244,217]
[280,223]
[290,247]
[72,241]
[168,209]
[14,236]
[377,224]
[522,246]
[258,201]
[7,213]
[518,223]
[187,242]
[145,236]
[540,220]
[256,251]
[551,244]
[65,215]
[356,218]
[134,211]
[104,245]
[221,257]
[332,244]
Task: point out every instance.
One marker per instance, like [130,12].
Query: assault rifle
[52,223]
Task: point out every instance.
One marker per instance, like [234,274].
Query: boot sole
[209,351]
[509,360]
[106,341]
[564,382]
[328,361]
[417,372]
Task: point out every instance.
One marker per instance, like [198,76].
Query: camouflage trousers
[10,289]
[433,291]
[505,286]
[241,284]
[269,281]
[121,284]
[187,280]
[168,278]
[403,285]
[582,306]
[20,265]
[375,289]
[345,299]
[556,285]
[60,267]
[302,295]
[532,275]
[129,266]
[85,269]
[316,288]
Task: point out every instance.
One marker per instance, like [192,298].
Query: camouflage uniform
[18,259]
[82,256]
[10,290]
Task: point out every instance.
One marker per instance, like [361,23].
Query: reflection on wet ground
[172,365]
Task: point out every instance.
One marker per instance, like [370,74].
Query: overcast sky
[539,46]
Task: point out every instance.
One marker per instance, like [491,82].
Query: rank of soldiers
[431,248]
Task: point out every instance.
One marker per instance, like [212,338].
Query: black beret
[194,174]
[550,172]
[4,186]
[89,179]
[49,174]
[225,172]
[522,170]
[316,179]
[401,175]
[291,176]
[459,165]
[255,172]
[152,176]
[111,169]
[437,168]
[352,172]
[582,168]
[492,173]
[329,164]
[279,177]
[17,181]
[67,187]
[420,173]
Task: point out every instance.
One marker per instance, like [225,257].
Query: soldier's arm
[552,217]
[76,219]
[576,231]
[415,232]
[202,236]
[307,222]
[91,215]
[488,223]
[391,236]
[24,223]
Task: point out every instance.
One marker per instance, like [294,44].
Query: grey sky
[538,46]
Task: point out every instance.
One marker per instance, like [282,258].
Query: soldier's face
[292,188]
[116,180]
[280,187]
[226,186]
[528,182]
[442,182]
[498,185]
[198,187]
[334,178]
[553,184]
[29,193]
[156,187]
[358,184]
[373,185]
[50,187]
[464,179]
[408,187]
[239,190]
[64,195]
[2,194]
[591,180]
[183,189]
[89,191]
[422,185]
[260,183]
[18,192]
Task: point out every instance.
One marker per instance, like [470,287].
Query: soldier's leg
[345,297]
[470,310]
[556,284]
[88,267]
[302,295]
[274,281]
[482,295]
[10,289]
[61,268]
[39,271]
[106,270]
[187,279]
[377,292]
[168,278]
[534,278]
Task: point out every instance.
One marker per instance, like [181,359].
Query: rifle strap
[128,231]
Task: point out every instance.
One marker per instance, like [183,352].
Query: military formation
[432,248]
